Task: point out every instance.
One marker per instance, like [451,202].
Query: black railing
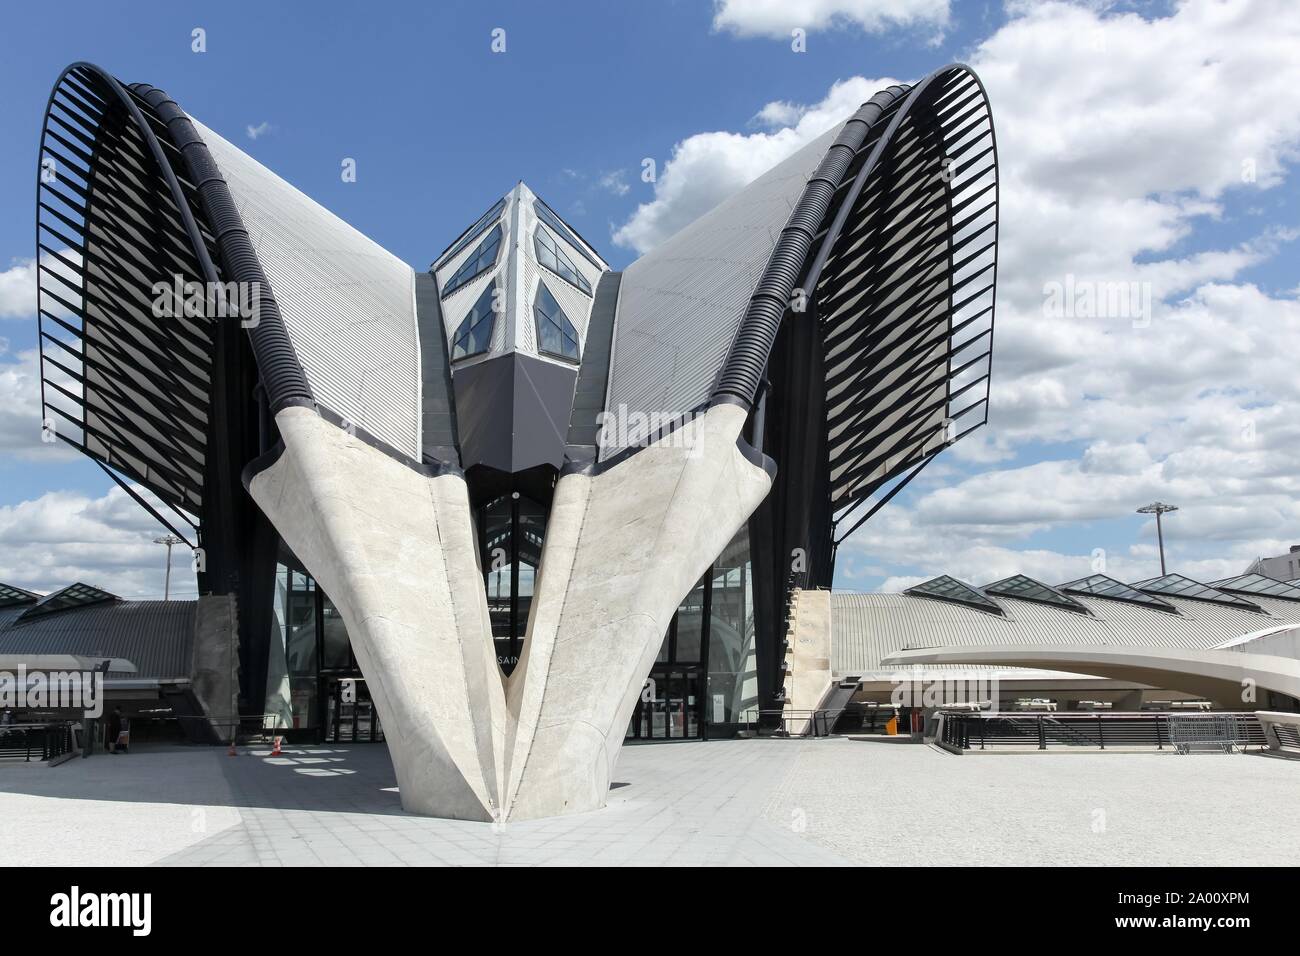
[1181,731]
[794,723]
[28,742]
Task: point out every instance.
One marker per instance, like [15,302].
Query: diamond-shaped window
[480,261]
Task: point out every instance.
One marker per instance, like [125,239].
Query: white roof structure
[868,627]
[348,303]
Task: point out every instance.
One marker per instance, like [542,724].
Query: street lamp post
[1158,508]
[169,540]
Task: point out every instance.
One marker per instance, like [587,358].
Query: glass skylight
[1027,589]
[554,258]
[74,595]
[10,596]
[546,215]
[474,231]
[1258,584]
[1178,585]
[555,333]
[474,334]
[946,588]
[480,261]
[1098,585]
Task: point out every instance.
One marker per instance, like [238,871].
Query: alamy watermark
[53,690]
[912,689]
[1090,299]
[622,428]
[208,300]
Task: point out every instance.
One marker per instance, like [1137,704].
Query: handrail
[961,731]
[50,740]
[771,722]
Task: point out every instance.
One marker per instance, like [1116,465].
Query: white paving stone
[731,803]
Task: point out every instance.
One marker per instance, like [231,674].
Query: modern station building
[308,412]
[1047,627]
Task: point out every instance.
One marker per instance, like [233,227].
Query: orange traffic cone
[275,751]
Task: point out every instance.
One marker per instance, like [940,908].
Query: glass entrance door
[351,716]
[669,707]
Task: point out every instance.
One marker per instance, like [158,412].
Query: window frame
[538,317]
[464,328]
[561,257]
[459,279]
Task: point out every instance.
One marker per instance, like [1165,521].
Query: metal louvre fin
[903,286]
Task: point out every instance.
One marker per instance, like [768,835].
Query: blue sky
[1123,130]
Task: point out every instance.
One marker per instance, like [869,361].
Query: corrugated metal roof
[348,303]
[680,303]
[156,636]
[866,627]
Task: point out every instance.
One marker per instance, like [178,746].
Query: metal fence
[28,742]
[963,731]
[792,723]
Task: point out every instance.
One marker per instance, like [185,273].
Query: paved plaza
[743,802]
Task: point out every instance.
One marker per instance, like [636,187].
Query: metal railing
[960,731]
[793,723]
[36,741]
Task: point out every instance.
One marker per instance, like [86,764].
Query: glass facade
[733,668]
[705,679]
[480,260]
[314,687]
[512,529]
[292,674]
[555,333]
[474,334]
[703,683]
[553,257]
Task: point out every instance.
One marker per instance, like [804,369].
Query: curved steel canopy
[131,207]
[894,244]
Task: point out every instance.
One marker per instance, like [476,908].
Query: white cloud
[18,286]
[20,410]
[1125,144]
[261,129]
[706,168]
[776,18]
[18,290]
[62,537]
[614,182]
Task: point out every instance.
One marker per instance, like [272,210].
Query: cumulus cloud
[706,168]
[62,537]
[614,182]
[261,129]
[18,290]
[18,285]
[1126,143]
[20,408]
[776,18]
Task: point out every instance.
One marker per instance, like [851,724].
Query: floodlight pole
[1158,508]
[169,540]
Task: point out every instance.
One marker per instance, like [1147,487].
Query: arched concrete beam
[1221,676]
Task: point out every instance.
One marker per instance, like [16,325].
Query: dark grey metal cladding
[747,360]
[281,372]
[439,439]
[593,375]
[512,412]
[156,636]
